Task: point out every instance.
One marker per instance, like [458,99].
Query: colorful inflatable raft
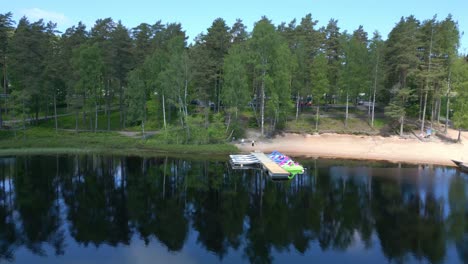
[286,163]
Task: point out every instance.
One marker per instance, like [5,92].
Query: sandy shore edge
[393,149]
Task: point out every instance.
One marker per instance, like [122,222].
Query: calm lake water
[107,209]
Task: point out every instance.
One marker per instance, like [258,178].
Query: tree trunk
[317,118]
[124,117]
[185,98]
[4,90]
[76,120]
[459,135]
[144,119]
[121,99]
[421,104]
[184,105]
[424,110]
[206,111]
[36,115]
[24,120]
[108,107]
[402,120]
[108,114]
[46,112]
[375,89]
[183,117]
[432,113]
[96,116]
[297,106]
[347,107]
[216,92]
[447,113]
[5,87]
[369,104]
[262,103]
[439,104]
[55,113]
[218,103]
[164,111]
[84,111]
[228,121]
[427,85]
[373,106]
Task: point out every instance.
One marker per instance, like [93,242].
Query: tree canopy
[152,74]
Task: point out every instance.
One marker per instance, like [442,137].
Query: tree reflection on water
[408,213]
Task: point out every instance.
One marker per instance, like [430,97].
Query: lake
[115,209]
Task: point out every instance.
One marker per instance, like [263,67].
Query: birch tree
[271,60]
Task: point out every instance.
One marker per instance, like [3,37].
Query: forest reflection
[406,212]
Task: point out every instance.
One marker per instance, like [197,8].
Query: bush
[195,133]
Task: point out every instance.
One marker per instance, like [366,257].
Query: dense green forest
[229,78]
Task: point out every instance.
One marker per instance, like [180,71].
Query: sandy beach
[394,149]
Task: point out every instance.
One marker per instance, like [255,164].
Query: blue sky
[197,15]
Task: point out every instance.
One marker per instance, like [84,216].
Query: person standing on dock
[253,143]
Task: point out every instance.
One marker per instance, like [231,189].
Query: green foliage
[333,51]
[236,90]
[236,129]
[304,42]
[176,76]
[151,75]
[397,108]
[198,132]
[376,53]
[41,140]
[209,53]
[195,133]
[306,124]
[136,99]
[356,73]
[402,52]
[68,122]
[379,123]
[320,83]
[6,33]
[87,63]
[217,129]
[272,61]
[460,83]
[31,50]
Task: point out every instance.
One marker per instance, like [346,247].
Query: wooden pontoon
[258,158]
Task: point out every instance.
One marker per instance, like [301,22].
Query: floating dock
[243,161]
[259,158]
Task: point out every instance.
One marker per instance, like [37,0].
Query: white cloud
[37,13]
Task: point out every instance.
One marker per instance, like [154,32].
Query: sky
[197,15]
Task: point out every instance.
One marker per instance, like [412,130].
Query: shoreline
[357,147]
[139,152]
[410,149]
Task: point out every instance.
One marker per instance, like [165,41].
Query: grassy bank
[306,124]
[44,141]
